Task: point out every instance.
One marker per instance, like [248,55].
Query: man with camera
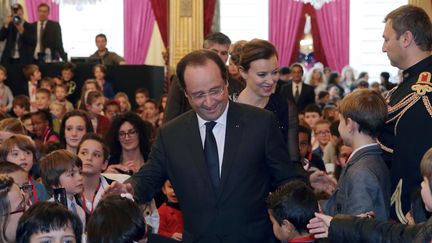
[19,36]
[49,43]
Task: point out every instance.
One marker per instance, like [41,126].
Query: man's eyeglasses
[214,93]
[322,133]
[130,133]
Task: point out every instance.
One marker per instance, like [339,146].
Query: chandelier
[317,4]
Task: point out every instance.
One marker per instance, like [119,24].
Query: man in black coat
[48,36]
[302,94]
[19,36]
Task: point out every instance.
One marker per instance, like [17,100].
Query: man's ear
[407,38]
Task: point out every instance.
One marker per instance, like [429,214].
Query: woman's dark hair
[43,217]
[80,113]
[116,220]
[143,129]
[254,50]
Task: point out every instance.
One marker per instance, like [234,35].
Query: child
[28,124]
[49,222]
[151,112]
[360,229]
[33,75]
[171,218]
[312,114]
[111,109]
[310,161]
[43,99]
[42,124]
[94,103]
[89,85]
[123,100]
[47,83]
[291,207]
[20,150]
[67,74]
[99,72]
[60,93]
[94,156]
[162,102]
[57,110]
[19,175]
[6,96]
[116,219]
[62,170]
[141,96]
[362,114]
[322,136]
[74,126]
[9,127]
[21,105]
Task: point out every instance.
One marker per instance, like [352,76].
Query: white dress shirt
[219,133]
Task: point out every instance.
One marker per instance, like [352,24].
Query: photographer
[19,36]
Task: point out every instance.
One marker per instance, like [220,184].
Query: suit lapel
[196,149]
[233,137]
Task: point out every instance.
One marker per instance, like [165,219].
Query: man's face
[43,13]
[206,91]
[393,46]
[221,50]
[296,74]
[101,43]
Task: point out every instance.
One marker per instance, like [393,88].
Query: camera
[16,20]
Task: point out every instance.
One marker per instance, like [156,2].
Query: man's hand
[117,188]
[319,225]
[320,181]
[177,236]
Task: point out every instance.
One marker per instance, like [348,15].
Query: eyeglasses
[27,188]
[130,133]
[214,93]
[322,133]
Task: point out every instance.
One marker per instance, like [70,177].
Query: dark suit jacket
[52,39]
[26,43]
[363,186]
[307,95]
[255,161]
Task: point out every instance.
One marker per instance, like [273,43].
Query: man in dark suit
[302,94]
[48,37]
[19,36]
[222,158]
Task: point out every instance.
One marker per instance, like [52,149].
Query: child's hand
[177,236]
[319,225]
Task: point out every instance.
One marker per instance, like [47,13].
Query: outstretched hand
[319,225]
[117,188]
[322,182]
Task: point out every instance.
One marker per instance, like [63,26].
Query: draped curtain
[333,26]
[283,25]
[138,28]
[160,10]
[32,5]
[209,11]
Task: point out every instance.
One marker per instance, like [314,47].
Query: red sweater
[171,220]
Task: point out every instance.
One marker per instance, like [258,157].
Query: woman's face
[262,76]
[98,74]
[316,75]
[75,129]
[18,204]
[128,137]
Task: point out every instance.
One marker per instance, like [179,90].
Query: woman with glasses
[260,68]
[13,203]
[129,141]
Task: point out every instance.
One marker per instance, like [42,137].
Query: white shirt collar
[361,147]
[221,120]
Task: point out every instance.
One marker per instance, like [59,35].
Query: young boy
[6,96]
[111,109]
[49,222]
[67,74]
[322,136]
[42,125]
[360,229]
[151,112]
[43,99]
[171,218]
[364,183]
[312,114]
[28,124]
[60,94]
[21,105]
[33,75]
[62,170]
[311,161]
[57,110]
[141,96]
[291,207]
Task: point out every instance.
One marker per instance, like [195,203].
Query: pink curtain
[32,6]
[333,26]
[139,21]
[283,26]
